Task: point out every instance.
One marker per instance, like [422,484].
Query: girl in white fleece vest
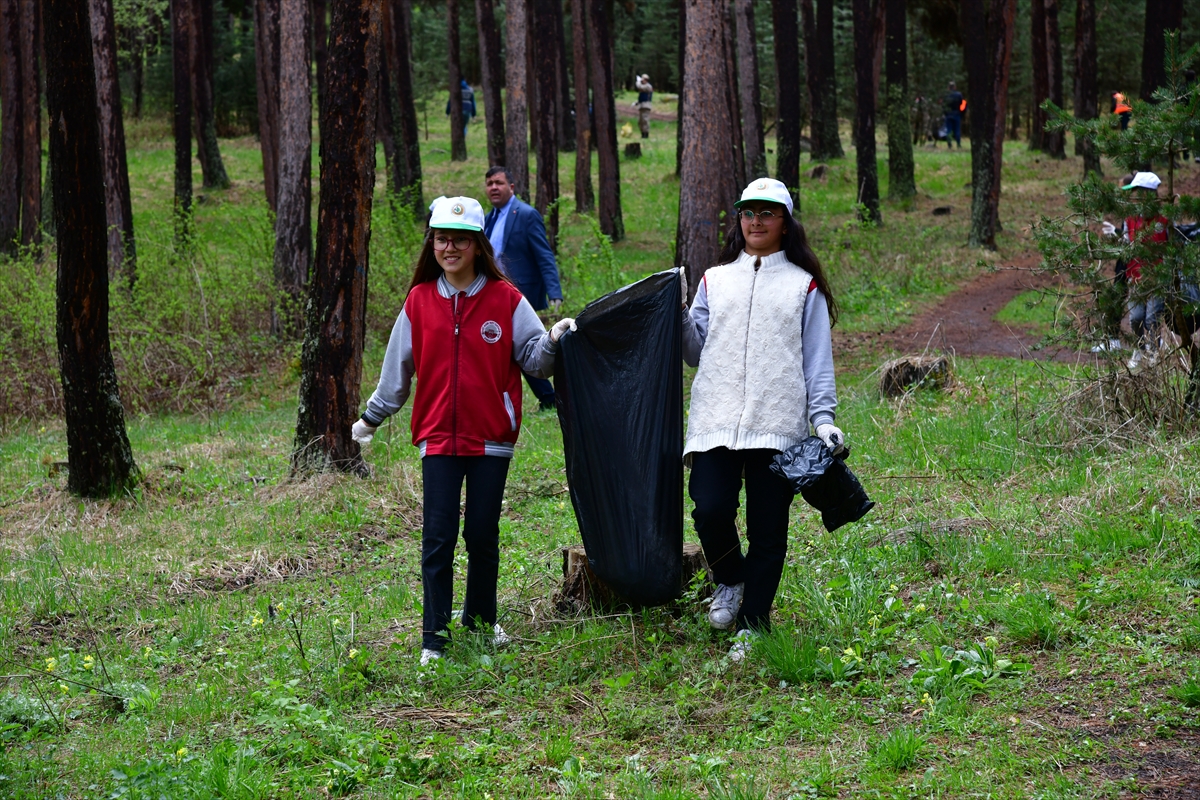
[758,329]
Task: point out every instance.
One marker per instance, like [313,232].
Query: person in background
[468,105]
[518,237]
[1145,311]
[953,107]
[759,331]
[644,103]
[1110,299]
[466,334]
[1120,106]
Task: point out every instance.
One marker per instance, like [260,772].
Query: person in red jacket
[465,333]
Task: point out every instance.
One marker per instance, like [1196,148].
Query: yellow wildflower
[919,608]
[51,664]
[181,752]
[353,653]
[256,621]
[88,662]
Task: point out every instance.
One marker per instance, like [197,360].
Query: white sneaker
[429,656]
[1135,359]
[500,639]
[725,604]
[743,642]
[1110,346]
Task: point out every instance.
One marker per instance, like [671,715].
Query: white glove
[361,432]
[561,327]
[1108,228]
[683,284]
[556,305]
[833,437]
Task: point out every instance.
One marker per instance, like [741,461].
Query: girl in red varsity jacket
[465,333]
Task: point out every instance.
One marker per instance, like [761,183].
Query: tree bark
[706,187]
[812,72]
[31,120]
[987,44]
[729,53]
[117,203]
[546,74]
[516,142]
[585,199]
[319,12]
[385,126]
[212,168]
[293,219]
[679,130]
[331,360]
[1041,73]
[1055,142]
[1086,89]
[901,183]
[266,65]
[98,453]
[824,113]
[605,110]
[565,126]
[406,168]
[181,37]
[11,125]
[1161,16]
[787,96]
[864,116]
[748,92]
[458,139]
[493,77]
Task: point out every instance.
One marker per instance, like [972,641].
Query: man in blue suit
[518,235]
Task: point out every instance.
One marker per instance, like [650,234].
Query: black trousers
[443,478]
[714,485]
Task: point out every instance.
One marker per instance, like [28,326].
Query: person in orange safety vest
[1121,107]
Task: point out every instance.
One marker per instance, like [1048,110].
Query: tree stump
[902,375]
[633,150]
[582,589]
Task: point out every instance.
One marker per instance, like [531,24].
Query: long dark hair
[795,247]
[428,269]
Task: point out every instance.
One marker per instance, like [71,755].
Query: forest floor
[1015,618]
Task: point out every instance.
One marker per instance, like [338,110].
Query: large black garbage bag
[824,481]
[619,388]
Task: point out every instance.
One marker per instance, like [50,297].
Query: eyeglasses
[766,215]
[460,242]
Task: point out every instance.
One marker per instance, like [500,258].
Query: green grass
[1016,615]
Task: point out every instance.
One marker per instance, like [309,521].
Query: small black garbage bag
[619,388]
[824,481]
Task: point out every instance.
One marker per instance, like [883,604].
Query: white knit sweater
[749,391]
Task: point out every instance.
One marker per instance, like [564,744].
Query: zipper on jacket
[457,310]
[746,347]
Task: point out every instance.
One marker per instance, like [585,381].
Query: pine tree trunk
[31,120]
[266,67]
[585,199]
[319,13]
[331,360]
[516,131]
[1161,16]
[729,53]
[565,124]
[493,79]
[1055,141]
[458,139]
[1041,73]
[546,74]
[864,116]
[1086,90]
[748,91]
[824,113]
[212,168]
[787,96]
[117,203]
[98,453]
[605,110]
[679,130]
[11,126]
[987,43]
[181,36]
[1001,33]
[901,183]
[293,220]
[385,126]
[706,187]
[812,72]
[406,167]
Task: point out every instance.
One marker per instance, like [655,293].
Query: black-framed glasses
[766,215]
[459,242]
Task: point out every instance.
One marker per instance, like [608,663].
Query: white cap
[1144,180]
[768,189]
[460,213]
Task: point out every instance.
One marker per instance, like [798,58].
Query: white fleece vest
[749,391]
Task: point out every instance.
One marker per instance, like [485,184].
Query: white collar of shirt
[446,289]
